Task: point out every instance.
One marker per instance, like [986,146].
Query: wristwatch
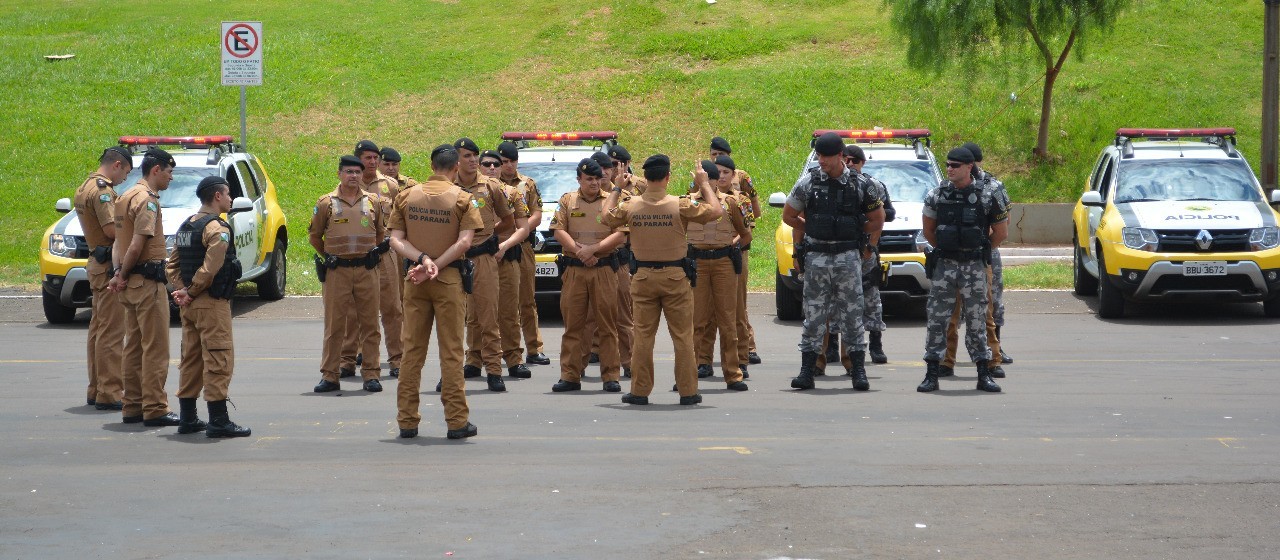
[422,257]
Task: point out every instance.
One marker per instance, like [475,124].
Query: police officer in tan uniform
[726,186]
[660,285]
[138,256]
[432,224]
[95,203]
[509,174]
[630,184]
[346,226]
[390,270]
[484,337]
[715,247]
[746,188]
[509,257]
[203,270]
[390,166]
[589,279]
[622,317]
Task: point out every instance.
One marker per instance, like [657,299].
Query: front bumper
[1250,277]
[71,290]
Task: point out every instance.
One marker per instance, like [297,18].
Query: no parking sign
[241,44]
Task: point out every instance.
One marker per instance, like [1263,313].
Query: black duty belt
[609,260]
[832,248]
[351,263]
[721,253]
[746,247]
[513,254]
[963,255]
[489,247]
[660,264]
[151,270]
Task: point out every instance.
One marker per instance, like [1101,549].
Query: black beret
[655,161]
[441,149]
[209,182]
[490,154]
[961,155]
[726,161]
[829,144]
[973,149]
[350,161]
[160,156]
[854,151]
[619,153]
[120,151]
[589,166]
[603,159]
[467,144]
[721,144]
[365,146]
[509,150]
[390,154]
[713,172]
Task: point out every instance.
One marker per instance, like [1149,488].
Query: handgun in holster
[102,254]
[932,260]
[691,271]
[467,270]
[797,256]
[321,269]
[735,257]
[632,264]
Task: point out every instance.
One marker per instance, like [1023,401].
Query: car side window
[233,179]
[1104,185]
[259,175]
[1096,176]
[251,187]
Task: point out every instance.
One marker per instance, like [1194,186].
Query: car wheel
[787,300]
[55,312]
[1085,284]
[271,284]
[1110,302]
[1271,307]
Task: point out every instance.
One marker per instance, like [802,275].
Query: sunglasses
[490,164]
[954,165]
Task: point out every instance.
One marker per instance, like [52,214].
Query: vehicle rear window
[1186,179]
[553,179]
[906,180]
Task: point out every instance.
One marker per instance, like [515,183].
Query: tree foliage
[940,33]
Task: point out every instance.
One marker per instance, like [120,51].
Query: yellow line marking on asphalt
[738,450]
[1046,439]
[1224,440]
[265,441]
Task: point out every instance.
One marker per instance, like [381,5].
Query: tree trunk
[1046,107]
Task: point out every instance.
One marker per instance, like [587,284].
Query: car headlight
[62,245]
[922,244]
[1264,238]
[1142,239]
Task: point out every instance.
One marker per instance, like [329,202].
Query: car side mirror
[240,204]
[63,205]
[777,200]
[1275,197]
[1092,198]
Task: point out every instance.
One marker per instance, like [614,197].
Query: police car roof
[879,150]
[559,154]
[1175,149]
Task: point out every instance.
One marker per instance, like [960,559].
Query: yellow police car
[551,159]
[902,160]
[260,241]
[1176,213]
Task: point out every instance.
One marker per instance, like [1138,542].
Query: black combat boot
[930,383]
[188,420]
[833,348]
[220,424]
[808,362]
[859,371]
[946,371]
[984,379]
[1005,358]
[876,350]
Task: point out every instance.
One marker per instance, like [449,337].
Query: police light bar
[877,134]
[175,140]
[561,136]
[1174,132]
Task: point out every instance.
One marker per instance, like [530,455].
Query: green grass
[1038,276]
[666,76]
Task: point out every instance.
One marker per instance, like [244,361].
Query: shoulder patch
[226,237]
[476,203]
[104,197]
[151,206]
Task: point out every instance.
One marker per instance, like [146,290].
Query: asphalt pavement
[1149,437]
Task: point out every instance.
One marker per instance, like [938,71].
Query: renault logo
[1204,240]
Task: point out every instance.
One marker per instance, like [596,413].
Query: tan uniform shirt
[487,197]
[349,229]
[138,213]
[217,241]
[519,209]
[433,213]
[658,229]
[95,203]
[529,188]
[720,233]
[386,188]
[583,219]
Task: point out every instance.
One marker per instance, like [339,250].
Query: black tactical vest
[833,211]
[962,220]
[189,242]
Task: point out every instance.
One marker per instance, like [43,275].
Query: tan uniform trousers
[953,331]
[528,306]
[145,365]
[207,351]
[581,287]
[658,292]
[622,320]
[745,330]
[484,337]
[715,308]
[350,293]
[438,303]
[845,359]
[508,299]
[390,277]
[106,339]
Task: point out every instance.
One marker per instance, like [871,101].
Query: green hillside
[666,75]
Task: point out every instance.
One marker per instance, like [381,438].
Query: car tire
[1110,301]
[55,312]
[787,301]
[271,284]
[1271,307]
[1083,282]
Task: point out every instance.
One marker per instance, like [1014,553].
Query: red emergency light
[1174,132]
[175,140]
[561,136]
[886,133]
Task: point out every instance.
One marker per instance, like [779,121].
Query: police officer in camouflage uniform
[962,221]
[997,269]
[840,219]
[873,308]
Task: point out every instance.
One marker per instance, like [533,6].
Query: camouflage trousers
[958,279]
[997,288]
[832,293]
[872,308]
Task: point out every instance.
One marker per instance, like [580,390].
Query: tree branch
[1071,39]
[1035,36]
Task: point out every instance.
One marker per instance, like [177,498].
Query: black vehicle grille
[1237,282]
[898,242]
[1184,241]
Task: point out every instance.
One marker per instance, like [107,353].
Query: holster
[932,260]
[489,247]
[467,270]
[632,264]
[102,254]
[151,270]
[512,255]
[986,254]
[797,256]
[382,248]
[735,257]
[874,276]
[372,258]
[691,271]
[321,269]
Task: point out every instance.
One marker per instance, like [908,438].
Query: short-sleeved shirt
[529,188]
[217,241]
[519,210]
[487,196]
[720,232]
[582,219]
[138,213]
[658,229]
[386,188]
[349,230]
[995,209]
[995,184]
[430,222]
[95,203]
[742,182]
[405,181]
[800,192]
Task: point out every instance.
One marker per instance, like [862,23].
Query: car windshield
[1186,179]
[553,179]
[182,190]
[907,181]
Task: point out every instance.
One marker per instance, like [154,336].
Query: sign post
[241,46]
